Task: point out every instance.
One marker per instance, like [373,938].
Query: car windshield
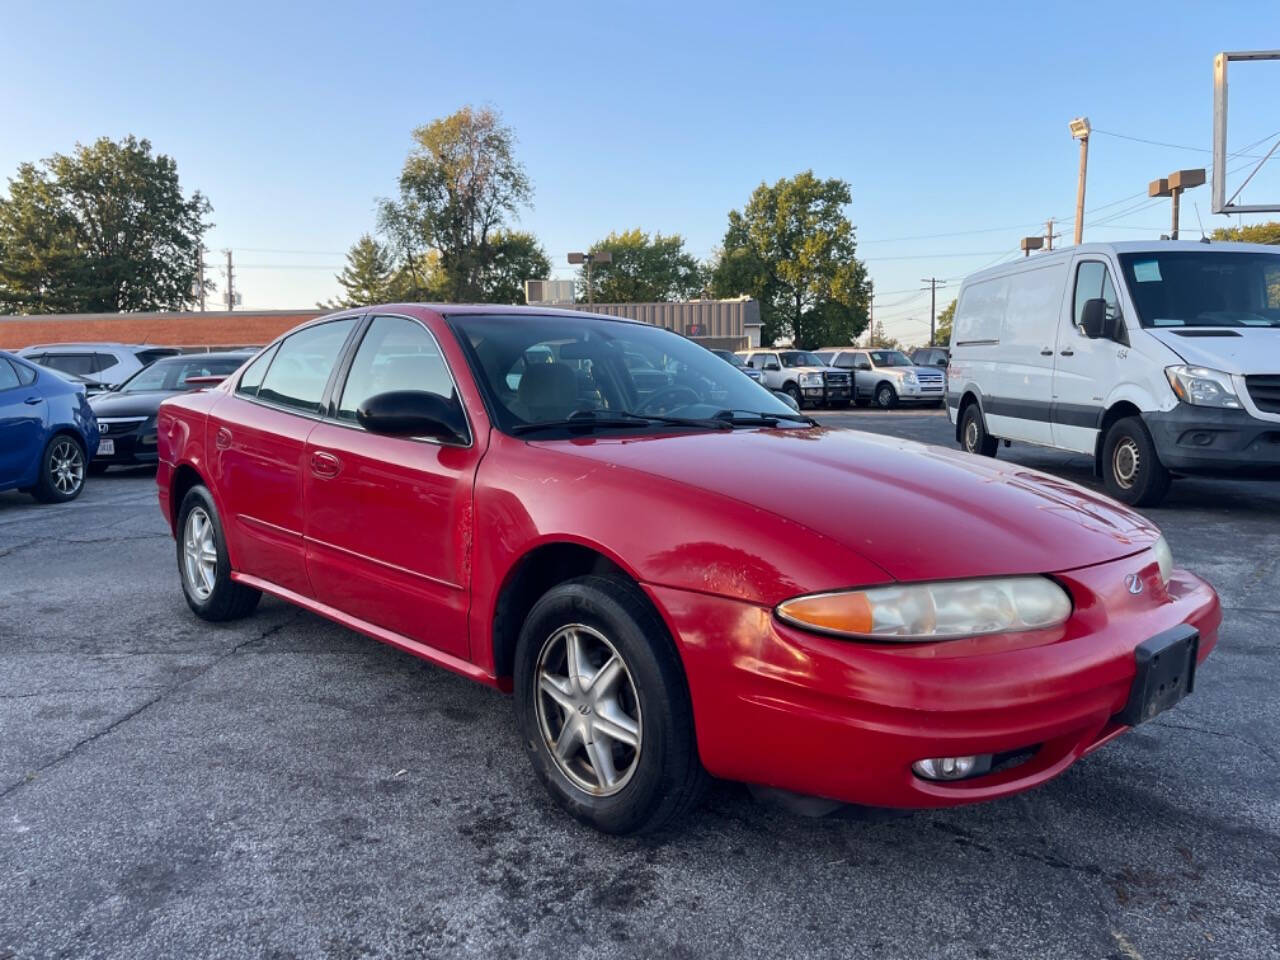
[1193,288]
[890,358]
[171,375]
[548,369]
[728,357]
[800,358]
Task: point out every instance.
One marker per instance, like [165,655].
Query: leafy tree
[881,340]
[793,249]
[367,277]
[516,257]
[104,229]
[942,326]
[1268,232]
[460,183]
[644,269]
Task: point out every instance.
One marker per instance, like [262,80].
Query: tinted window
[302,365]
[173,374]
[251,379]
[77,363]
[103,361]
[155,353]
[1203,289]
[8,375]
[396,354]
[860,362]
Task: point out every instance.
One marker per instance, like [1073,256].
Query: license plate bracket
[1166,672]
[106,448]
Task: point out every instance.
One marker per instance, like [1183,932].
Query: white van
[1158,358]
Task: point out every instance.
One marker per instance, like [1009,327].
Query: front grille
[836,379]
[929,376]
[1264,389]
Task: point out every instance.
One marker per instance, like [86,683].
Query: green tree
[1268,232]
[367,277]
[644,269]
[104,229]
[942,326]
[459,185]
[516,257]
[792,248]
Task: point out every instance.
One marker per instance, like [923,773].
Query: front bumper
[1209,440]
[845,720]
[135,446]
[930,392]
[827,392]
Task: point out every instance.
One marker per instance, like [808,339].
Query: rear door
[388,522]
[257,446]
[1085,370]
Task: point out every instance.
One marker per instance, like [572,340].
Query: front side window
[396,354]
[1093,281]
[1194,288]
[890,358]
[801,358]
[303,363]
[762,360]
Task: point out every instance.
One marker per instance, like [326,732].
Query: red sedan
[676,574]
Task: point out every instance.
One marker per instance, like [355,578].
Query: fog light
[952,768]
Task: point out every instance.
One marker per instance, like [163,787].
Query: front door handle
[1047,352]
[324,465]
[222,439]
[1068,352]
[32,401]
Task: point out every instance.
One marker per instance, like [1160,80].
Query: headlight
[1202,386]
[1164,559]
[933,611]
[811,379]
[909,377]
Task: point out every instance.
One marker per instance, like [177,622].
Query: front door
[389,519]
[22,412]
[1085,370]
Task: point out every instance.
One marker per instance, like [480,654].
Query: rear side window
[251,379]
[103,361]
[302,365]
[396,354]
[80,364]
[8,374]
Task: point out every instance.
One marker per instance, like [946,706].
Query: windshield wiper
[756,418]
[590,419]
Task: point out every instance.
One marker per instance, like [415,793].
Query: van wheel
[973,433]
[603,707]
[886,396]
[1131,470]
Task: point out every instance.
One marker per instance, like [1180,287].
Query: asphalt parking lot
[281,787]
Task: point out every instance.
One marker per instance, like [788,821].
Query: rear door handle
[1047,352]
[1068,352]
[32,401]
[325,465]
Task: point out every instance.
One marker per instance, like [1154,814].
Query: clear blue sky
[944,118]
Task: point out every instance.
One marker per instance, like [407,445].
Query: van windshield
[1193,288]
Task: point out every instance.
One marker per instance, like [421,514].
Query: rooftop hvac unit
[548,291]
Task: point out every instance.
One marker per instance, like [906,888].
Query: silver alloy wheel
[199,554]
[588,710]
[884,396]
[1125,462]
[66,466]
[971,436]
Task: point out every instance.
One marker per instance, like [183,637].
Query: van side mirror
[413,413]
[1093,319]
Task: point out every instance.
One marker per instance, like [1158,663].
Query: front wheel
[792,391]
[62,471]
[203,564]
[603,708]
[886,396]
[1131,470]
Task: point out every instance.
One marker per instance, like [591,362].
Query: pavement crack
[1220,734]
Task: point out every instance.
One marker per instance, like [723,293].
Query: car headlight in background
[1164,559]
[1202,387]
[909,377]
[810,379]
[933,611]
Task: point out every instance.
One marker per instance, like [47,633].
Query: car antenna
[1203,238]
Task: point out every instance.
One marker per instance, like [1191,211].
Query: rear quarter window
[980,312]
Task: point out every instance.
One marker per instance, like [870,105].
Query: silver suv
[887,377]
[801,375]
[109,364]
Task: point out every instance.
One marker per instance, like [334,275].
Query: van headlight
[1202,387]
[932,611]
[1164,559]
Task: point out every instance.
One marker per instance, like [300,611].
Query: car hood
[128,404]
[918,512]
[1255,350]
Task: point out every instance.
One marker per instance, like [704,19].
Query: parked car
[729,356]
[127,415]
[931,356]
[801,374]
[718,588]
[104,363]
[888,377]
[48,435]
[1156,358]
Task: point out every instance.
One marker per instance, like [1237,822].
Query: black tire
[791,390]
[886,397]
[861,401]
[1131,468]
[973,433]
[225,599]
[62,470]
[97,468]
[663,777]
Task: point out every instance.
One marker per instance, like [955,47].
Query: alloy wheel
[1126,461]
[200,553]
[588,710]
[66,467]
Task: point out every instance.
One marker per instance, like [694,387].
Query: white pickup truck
[802,376]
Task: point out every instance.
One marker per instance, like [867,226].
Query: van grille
[1264,389]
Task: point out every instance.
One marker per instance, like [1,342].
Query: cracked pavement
[281,787]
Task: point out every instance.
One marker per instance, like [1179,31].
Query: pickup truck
[802,376]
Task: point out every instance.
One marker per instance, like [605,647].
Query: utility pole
[1080,130]
[231,286]
[1048,233]
[200,275]
[933,305]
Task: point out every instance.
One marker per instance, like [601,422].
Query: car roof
[1118,247]
[106,344]
[211,355]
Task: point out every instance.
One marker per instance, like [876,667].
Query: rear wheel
[62,471]
[603,708]
[1131,470]
[203,564]
[973,433]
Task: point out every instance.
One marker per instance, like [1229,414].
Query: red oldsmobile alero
[675,573]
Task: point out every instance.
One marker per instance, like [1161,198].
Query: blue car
[48,433]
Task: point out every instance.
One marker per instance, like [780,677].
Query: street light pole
[587,259]
[1080,130]
[1172,186]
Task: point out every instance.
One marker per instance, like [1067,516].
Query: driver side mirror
[1096,324]
[413,413]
